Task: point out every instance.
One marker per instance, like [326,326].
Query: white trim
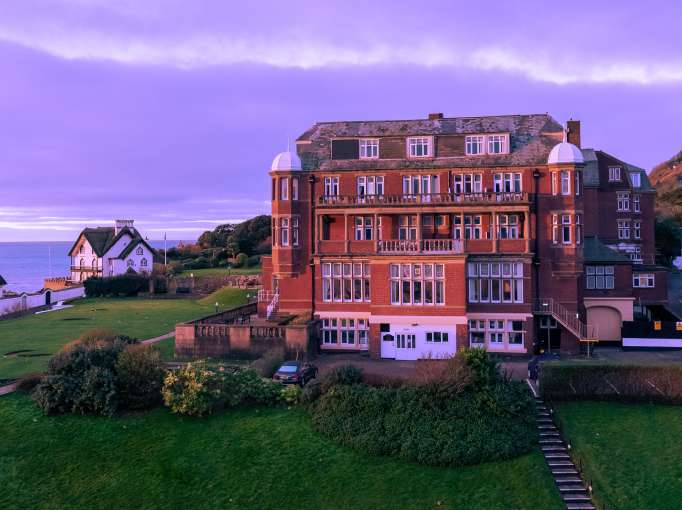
[482,316]
[410,320]
[342,314]
[672,343]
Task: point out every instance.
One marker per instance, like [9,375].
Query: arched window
[139,251]
[82,262]
[94,263]
[143,262]
[131,262]
[81,249]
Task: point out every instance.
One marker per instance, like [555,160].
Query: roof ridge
[545,114]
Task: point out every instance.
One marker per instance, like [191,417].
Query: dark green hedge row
[431,424]
[621,383]
[122,285]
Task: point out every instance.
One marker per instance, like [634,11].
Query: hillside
[667,178]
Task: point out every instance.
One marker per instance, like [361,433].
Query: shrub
[240,260]
[271,360]
[192,390]
[310,393]
[622,383]
[291,394]
[140,374]
[253,261]
[449,419]
[28,382]
[340,376]
[98,393]
[129,284]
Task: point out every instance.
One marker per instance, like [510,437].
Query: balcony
[427,199]
[426,246]
[422,246]
[86,269]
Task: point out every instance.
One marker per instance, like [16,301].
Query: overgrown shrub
[240,260]
[252,261]
[290,394]
[271,360]
[342,375]
[128,284]
[310,393]
[28,382]
[622,383]
[140,374]
[451,419]
[98,393]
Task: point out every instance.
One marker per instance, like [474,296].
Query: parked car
[295,372]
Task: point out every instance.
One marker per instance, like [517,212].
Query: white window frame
[565,179]
[284,231]
[501,141]
[637,229]
[600,277]
[369,148]
[420,147]
[636,206]
[294,188]
[636,179]
[622,201]
[476,142]
[331,186]
[614,174]
[405,279]
[643,280]
[623,228]
[284,188]
[566,228]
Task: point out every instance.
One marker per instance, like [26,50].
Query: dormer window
[497,144]
[420,147]
[369,149]
[474,145]
[139,251]
[614,173]
[636,180]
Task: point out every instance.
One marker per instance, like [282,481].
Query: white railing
[566,318]
[273,305]
[430,246]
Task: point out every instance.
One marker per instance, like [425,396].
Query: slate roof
[596,251]
[532,137]
[103,238]
[128,249]
[591,170]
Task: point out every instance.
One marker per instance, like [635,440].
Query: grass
[220,271]
[632,453]
[249,458]
[137,317]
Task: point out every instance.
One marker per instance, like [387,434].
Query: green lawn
[219,271]
[141,318]
[633,453]
[250,458]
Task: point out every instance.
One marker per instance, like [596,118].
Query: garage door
[607,321]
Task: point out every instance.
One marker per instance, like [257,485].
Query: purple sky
[170,112]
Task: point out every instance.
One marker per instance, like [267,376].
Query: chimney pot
[435,116]
[573,132]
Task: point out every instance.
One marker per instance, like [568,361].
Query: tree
[668,241]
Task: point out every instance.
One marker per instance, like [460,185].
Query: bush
[240,260]
[271,360]
[198,263]
[343,375]
[434,421]
[621,383]
[291,394]
[310,393]
[140,374]
[192,390]
[28,382]
[98,393]
[129,284]
[253,261]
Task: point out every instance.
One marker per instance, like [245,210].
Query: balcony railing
[429,246]
[86,269]
[422,199]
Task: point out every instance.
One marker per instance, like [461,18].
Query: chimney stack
[120,224]
[573,132]
[435,116]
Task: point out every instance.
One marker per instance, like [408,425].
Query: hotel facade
[415,238]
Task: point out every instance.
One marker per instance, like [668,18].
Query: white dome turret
[285,161]
[565,152]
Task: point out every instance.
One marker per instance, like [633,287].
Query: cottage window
[417,284]
[419,147]
[331,186]
[495,282]
[623,201]
[346,281]
[565,182]
[614,173]
[643,280]
[82,264]
[623,229]
[497,144]
[600,277]
[474,145]
[139,251]
[94,263]
[143,262]
[369,149]
[284,188]
[294,188]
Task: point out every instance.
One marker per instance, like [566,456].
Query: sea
[25,265]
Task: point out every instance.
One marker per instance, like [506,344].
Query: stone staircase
[565,474]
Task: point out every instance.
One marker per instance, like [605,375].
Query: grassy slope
[219,271]
[141,318]
[251,458]
[633,453]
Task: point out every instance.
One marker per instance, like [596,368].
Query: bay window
[495,282]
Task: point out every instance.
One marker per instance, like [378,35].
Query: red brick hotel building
[415,238]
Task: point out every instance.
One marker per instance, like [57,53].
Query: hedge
[122,285]
[444,423]
[620,383]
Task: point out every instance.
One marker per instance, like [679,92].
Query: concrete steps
[566,476]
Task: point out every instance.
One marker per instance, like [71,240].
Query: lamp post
[216,307]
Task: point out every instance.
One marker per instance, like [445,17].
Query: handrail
[273,305]
[432,246]
[423,199]
[567,318]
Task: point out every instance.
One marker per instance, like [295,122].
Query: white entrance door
[387,345]
[405,346]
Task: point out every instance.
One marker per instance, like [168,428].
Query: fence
[25,301]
